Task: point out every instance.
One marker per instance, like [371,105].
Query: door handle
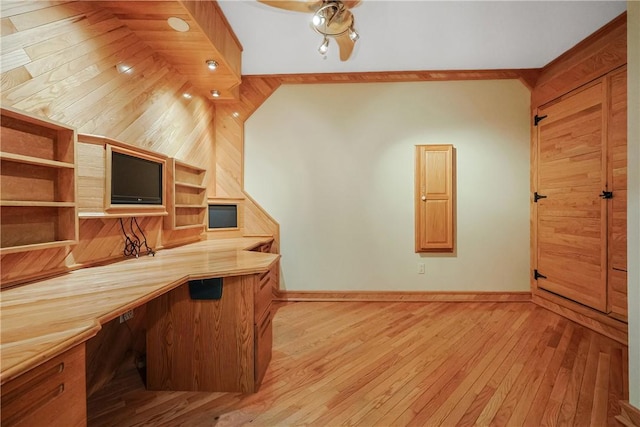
[423,198]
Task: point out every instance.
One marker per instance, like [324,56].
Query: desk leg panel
[202,345]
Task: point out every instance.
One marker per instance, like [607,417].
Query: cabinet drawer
[263,343]
[50,394]
[263,294]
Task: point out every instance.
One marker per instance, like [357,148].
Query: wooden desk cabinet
[219,345]
[52,394]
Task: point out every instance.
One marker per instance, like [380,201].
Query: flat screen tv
[135,181]
[223,216]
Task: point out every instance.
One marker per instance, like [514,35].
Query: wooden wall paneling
[38,18]
[94,24]
[72,77]
[121,98]
[52,86]
[103,240]
[26,266]
[603,51]
[209,37]
[91,177]
[10,8]
[258,222]
[157,114]
[62,14]
[227,182]
[229,151]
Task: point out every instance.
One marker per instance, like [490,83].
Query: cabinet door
[434,198]
[202,345]
[571,221]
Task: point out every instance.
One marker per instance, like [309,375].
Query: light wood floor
[396,364]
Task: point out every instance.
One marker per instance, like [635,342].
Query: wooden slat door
[617,178]
[572,219]
[434,198]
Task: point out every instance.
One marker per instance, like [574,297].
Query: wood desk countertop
[43,319]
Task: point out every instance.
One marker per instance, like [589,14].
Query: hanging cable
[133,244]
[150,251]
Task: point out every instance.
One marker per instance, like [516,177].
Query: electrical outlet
[421,268]
[126,316]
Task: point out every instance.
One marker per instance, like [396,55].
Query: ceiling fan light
[324,47]
[353,34]
[317,20]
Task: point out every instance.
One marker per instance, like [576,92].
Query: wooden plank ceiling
[209,37]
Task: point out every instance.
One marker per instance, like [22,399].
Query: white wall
[334,165]
[633,192]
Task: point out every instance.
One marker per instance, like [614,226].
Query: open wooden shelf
[38,183]
[185,185]
[37,204]
[30,160]
[94,215]
[186,196]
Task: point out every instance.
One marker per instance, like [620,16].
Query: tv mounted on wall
[223,216]
[135,181]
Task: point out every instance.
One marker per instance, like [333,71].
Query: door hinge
[537,197]
[537,119]
[607,195]
[537,275]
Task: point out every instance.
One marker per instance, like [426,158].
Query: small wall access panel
[434,198]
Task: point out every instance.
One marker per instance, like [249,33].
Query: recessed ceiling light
[211,64]
[235,114]
[178,24]
[186,95]
[215,93]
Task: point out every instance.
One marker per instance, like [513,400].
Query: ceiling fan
[331,18]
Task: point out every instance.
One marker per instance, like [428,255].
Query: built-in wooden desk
[43,320]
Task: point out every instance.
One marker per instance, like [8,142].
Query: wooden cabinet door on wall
[617,178]
[571,218]
[434,198]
